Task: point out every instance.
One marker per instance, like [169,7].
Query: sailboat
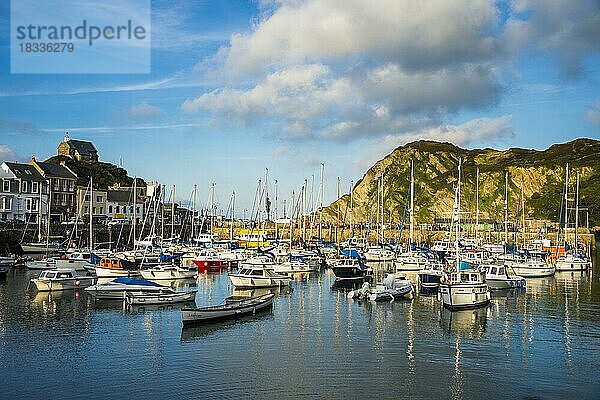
[574,260]
[465,287]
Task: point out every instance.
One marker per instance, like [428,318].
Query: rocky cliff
[539,174]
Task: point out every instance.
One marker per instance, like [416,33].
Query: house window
[110,209]
[70,186]
[6,203]
[87,197]
[101,210]
[117,210]
[137,210]
[28,205]
[6,185]
[98,199]
[131,209]
[34,205]
[34,187]
[93,210]
[24,187]
[86,209]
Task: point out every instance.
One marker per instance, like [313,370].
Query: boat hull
[577,265]
[171,273]
[43,285]
[208,265]
[500,284]
[464,296]
[115,272]
[77,265]
[229,310]
[137,299]
[342,272]
[258,282]
[528,272]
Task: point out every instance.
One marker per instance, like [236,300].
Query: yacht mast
[351,209]
[133,223]
[212,208]
[566,200]
[382,211]
[337,231]
[173,213]
[276,216]
[457,218]
[193,210]
[232,215]
[91,243]
[412,202]
[321,205]
[576,211]
[477,207]
[506,209]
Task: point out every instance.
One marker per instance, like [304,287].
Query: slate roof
[25,172]
[55,170]
[83,148]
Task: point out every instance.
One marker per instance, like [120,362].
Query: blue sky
[236,87]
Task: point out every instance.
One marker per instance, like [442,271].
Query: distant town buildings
[62,189]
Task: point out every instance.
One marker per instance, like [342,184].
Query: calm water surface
[544,343]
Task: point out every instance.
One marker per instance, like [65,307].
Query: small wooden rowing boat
[232,308]
[141,298]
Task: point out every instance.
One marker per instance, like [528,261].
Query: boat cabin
[55,274]
[255,272]
[467,276]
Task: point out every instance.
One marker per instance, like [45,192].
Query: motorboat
[573,262]
[7,261]
[257,276]
[76,260]
[41,247]
[379,254]
[62,279]
[111,267]
[464,289]
[169,271]
[44,263]
[499,277]
[430,276]
[294,265]
[393,287]
[208,261]
[411,261]
[351,268]
[118,288]
[142,298]
[233,308]
[530,267]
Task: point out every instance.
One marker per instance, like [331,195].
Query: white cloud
[593,113]
[567,30]
[7,154]
[144,111]
[414,34]
[470,132]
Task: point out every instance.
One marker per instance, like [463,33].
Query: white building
[23,193]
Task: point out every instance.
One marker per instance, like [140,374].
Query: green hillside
[104,174]
[540,174]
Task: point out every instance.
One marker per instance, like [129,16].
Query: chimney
[62,162]
[32,158]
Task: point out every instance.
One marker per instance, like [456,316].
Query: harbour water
[542,343]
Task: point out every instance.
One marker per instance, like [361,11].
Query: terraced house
[23,194]
[62,189]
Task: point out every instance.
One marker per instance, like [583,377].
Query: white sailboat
[574,260]
[463,288]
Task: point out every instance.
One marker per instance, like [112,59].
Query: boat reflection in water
[195,332]
[349,284]
[139,309]
[470,324]
[247,293]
